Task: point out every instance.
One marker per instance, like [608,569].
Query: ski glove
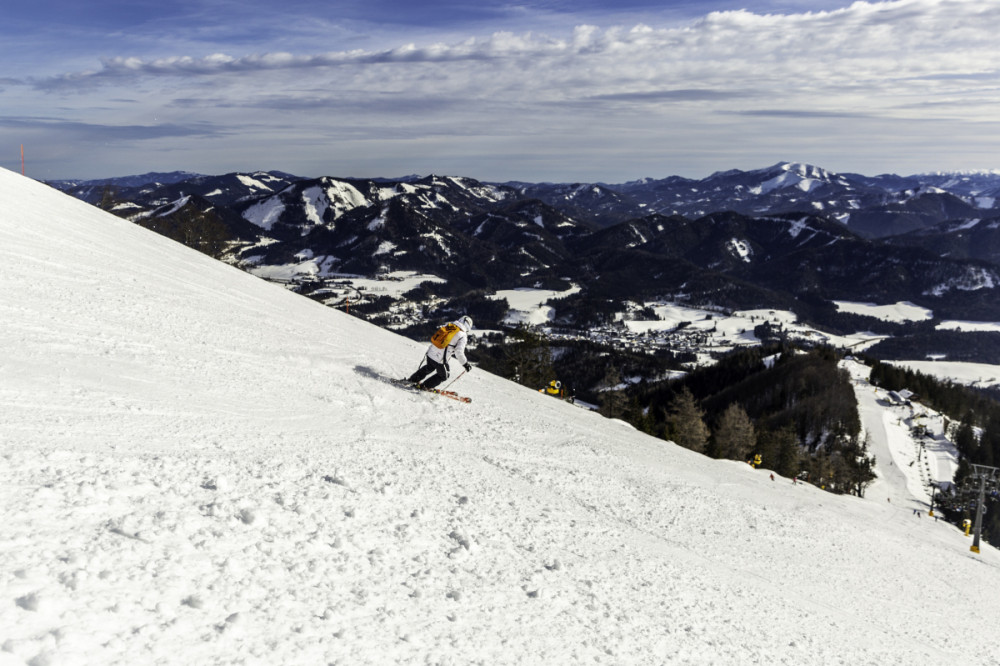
[468,367]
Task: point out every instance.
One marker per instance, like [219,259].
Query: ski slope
[200,467]
[908,463]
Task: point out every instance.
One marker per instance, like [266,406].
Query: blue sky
[552,90]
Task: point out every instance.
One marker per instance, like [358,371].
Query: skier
[448,342]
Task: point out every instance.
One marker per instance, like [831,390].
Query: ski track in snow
[195,470]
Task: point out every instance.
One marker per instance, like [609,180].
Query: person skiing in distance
[448,342]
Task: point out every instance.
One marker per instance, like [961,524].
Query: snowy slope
[200,467]
[908,464]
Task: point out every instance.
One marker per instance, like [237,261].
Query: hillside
[200,467]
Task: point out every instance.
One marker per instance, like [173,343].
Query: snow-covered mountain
[158,189]
[873,207]
[480,236]
[124,182]
[966,239]
[200,467]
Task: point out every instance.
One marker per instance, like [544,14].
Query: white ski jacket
[455,348]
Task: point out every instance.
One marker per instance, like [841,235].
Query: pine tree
[767,448]
[687,424]
[202,230]
[787,463]
[613,401]
[529,358]
[860,466]
[965,436]
[109,198]
[734,438]
[989,443]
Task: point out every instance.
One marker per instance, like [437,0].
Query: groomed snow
[199,467]
[909,463]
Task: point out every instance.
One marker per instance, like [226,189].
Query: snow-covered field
[982,375]
[736,328]
[970,326]
[202,468]
[900,312]
[527,306]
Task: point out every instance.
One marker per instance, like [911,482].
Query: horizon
[544,91]
[191,174]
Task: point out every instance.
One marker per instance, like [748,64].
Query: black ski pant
[439,370]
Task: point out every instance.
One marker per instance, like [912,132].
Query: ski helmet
[466,321]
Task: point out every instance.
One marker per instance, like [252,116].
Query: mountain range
[792,235]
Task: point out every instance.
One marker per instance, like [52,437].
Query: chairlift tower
[988,477]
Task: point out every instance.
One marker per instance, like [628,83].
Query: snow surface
[794,175]
[316,204]
[899,312]
[527,306]
[265,213]
[200,467]
[740,248]
[970,326]
[983,375]
[974,279]
[736,328]
[253,183]
[906,461]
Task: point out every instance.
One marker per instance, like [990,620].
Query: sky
[200,467]
[541,90]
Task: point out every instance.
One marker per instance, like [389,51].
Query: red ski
[403,384]
[450,394]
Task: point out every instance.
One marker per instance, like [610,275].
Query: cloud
[871,44]
[101,133]
[499,46]
[380,103]
[679,95]
[726,84]
[798,113]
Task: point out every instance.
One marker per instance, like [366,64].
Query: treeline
[972,347]
[203,230]
[795,410]
[585,369]
[823,314]
[455,299]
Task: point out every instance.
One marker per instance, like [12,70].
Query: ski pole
[454,380]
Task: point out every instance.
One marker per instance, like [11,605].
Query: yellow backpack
[442,338]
